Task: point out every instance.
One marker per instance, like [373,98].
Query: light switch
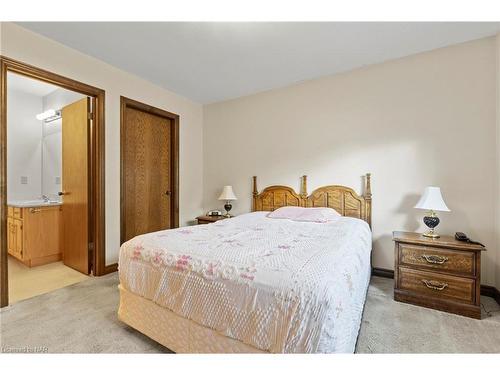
[58,180]
[24,180]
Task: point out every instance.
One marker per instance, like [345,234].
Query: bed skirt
[176,333]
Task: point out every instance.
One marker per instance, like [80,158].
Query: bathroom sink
[33,203]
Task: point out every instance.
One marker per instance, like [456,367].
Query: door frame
[130,103]
[96,173]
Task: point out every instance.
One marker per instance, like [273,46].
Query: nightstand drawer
[200,221]
[450,261]
[436,285]
[205,219]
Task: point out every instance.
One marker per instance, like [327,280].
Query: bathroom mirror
[34,138]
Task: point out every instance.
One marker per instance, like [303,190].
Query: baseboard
[486,290]
[491,291]
[111,268]
[383,272]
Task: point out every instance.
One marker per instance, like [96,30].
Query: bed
[252,284]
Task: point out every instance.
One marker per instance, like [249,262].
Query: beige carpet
[81,318]
[394,327]
[26,282]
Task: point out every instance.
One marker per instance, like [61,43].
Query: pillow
[313,214]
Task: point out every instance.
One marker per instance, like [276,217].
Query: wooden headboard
[341,198]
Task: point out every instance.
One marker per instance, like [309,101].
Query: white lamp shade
[432,200]
[227,194]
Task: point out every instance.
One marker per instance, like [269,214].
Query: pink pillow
[313,214]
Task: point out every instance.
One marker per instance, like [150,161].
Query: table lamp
[432,200]
[228,196]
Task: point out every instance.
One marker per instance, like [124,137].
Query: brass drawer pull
[436,285]
[435,259]
[35,210]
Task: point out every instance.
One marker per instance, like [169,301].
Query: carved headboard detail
[341,198]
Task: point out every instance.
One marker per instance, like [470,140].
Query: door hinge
[90,115]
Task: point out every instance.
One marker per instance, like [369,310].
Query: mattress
[277,285]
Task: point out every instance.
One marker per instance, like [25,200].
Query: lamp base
[431,221]
[228,207]
[430,234]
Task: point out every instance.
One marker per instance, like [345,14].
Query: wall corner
[497,159]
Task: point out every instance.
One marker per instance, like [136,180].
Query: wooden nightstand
[205,219]
[439,273]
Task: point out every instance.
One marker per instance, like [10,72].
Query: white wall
[52,141]
[31,48]
[24,151]
[427,119]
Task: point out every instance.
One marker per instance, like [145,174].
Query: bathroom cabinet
[34,234]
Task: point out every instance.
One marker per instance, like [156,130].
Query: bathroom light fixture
[49,115]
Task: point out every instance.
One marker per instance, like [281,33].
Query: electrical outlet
[58,180]
[24,180]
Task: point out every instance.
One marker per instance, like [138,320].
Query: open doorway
[52,182]
[46,158]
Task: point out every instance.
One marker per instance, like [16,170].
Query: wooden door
[147,171]
[75,170]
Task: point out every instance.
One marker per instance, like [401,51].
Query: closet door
[75,172]
[148,158]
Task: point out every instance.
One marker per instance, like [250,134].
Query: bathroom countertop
[33,203]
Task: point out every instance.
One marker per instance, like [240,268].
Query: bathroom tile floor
[25,282]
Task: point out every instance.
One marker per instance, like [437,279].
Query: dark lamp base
[228,207]
[432,222]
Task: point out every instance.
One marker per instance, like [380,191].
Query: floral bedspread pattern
[278,285]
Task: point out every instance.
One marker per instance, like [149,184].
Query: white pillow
[312,214]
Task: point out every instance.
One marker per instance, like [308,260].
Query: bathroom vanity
[34,232]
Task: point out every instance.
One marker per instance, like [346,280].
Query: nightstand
[205,219]
[439,273]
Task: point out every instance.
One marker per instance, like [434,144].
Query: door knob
[61,193]
[168,192]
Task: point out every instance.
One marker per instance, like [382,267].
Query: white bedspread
[275,284]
